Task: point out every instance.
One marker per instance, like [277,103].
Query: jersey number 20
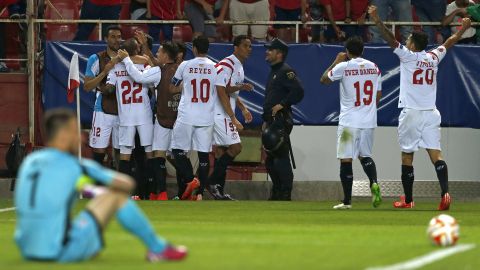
[127,88]
[204,90]
[418,76]
[367,90]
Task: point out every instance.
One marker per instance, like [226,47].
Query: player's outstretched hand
[372,11]
[122,54]
[140,37]
[466,23]
[237,124]
[248,116]
[246,87]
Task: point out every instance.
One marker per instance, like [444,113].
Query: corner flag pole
[72,90]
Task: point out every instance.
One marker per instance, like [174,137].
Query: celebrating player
[105,114]
[419,121]
[360,92]
[166,113]
[133,103]
[230,81]
[48,182]
[193,129]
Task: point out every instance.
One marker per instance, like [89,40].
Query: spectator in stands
[289,10]
[162,10]
[454,13]
[356,11]
[97,9]
[316,14]
[430,11]
[334,11]
[401,11]
[252,10]
[199,11]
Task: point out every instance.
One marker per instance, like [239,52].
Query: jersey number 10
[204,90]
[367,90]
[127,88]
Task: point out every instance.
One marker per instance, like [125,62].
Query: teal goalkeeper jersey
[44,197]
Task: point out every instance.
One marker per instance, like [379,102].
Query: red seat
[125,11]
[67,10]
[61,31]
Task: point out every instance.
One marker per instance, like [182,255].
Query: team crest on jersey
[201,65]
[290,75]
[234,135]
[440,49]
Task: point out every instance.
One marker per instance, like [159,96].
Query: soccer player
[166,113]
[133,103]
[419,121]
[225,136]
[360,92]
[48,184]
[105,114]
[193,129]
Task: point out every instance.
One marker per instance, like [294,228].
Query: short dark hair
[354,45]
[238,40]
[201,43]
[420,40]
[56,119]
[181,49]
[130,45]
[170,49]
[112,28]
[149,41]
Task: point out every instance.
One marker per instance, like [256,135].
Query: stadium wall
[315,155]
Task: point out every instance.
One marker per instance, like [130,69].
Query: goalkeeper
[48,184]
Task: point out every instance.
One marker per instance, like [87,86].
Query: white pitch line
[7,209]
[426,259]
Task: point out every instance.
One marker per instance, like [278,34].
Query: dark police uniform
[283,87]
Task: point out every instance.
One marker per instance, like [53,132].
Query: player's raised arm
[94,174]
[326,79]
[148,76]
[384,31]
[466,23]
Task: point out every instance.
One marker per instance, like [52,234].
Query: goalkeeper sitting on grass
[48,184]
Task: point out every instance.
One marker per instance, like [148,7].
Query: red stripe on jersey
[218,72]
[225,64]
[436,56]
[231,61]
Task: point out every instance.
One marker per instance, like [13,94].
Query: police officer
[283,90]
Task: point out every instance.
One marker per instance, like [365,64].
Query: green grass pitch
[274,235]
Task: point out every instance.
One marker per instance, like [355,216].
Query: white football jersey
[132,97]
[229,72]
[360,80]
[199,93]
[418,77]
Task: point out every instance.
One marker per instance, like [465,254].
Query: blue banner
[458,94]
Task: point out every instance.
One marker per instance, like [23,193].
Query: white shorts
[127,135]
[162,137]
[419,129]
[104,125]
[187,137]
[354,142]
[225,133]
